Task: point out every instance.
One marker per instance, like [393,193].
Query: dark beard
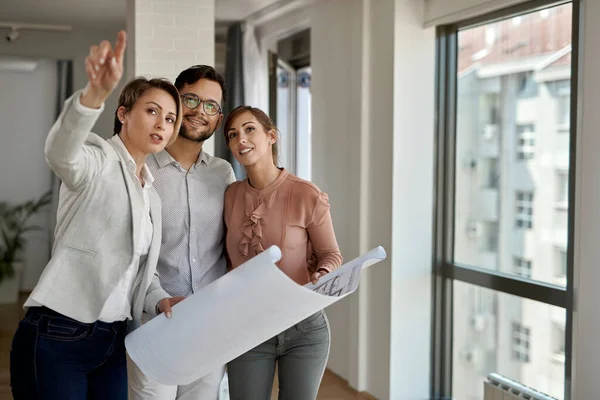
[183,132]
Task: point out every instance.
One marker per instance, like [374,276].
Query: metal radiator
[499,387]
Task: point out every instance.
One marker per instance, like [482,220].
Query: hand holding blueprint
[235,314]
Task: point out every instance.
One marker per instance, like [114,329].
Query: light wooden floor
[332,387]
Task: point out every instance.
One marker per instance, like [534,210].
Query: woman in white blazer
[102,273]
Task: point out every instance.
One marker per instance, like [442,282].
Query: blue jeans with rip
[56,357]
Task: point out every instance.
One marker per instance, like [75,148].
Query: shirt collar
[163,158]
[147,176]
[124,154]
[204,157]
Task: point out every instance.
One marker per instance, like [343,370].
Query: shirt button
[193,259]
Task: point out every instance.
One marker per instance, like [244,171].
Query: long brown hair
[263,119]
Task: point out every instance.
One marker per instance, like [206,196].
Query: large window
[502,295]
[290,99]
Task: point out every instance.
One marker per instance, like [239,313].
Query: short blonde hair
[135,88]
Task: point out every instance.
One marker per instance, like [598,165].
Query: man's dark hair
[197,72]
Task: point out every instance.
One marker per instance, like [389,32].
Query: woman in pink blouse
[274,207]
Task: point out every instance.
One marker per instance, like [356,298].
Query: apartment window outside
[492,242]
[525,142]
[562,188]
[505,87]
[524,210]
[520,343]
[563,100]
[493,175]
[522,267]
[558,342]
[490,35]
[561,263]
[564,115]
[528,86]
[490,237]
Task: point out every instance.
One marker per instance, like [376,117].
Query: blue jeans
[300,353]
[55,357]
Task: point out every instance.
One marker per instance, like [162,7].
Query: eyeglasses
[191,101]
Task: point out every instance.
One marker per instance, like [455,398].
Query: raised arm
[65,152]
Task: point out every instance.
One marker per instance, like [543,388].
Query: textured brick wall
[171,35]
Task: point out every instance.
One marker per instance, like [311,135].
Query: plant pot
[9,288]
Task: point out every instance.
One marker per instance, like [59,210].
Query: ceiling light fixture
[14,27]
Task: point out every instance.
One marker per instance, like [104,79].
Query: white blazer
[98,222]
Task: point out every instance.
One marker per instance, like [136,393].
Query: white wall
[373,120]
[413,182]
[74,45]
[283,26]
[27,111]
[336,60]
[376,186]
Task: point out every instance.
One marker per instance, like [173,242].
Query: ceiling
[106,13]
[235,10]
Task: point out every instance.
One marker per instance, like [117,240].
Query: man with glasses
[191,185]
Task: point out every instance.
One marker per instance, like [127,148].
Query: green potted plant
[14,224]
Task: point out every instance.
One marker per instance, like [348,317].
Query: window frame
[445,270]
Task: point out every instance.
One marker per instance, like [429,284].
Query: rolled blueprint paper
[234,314]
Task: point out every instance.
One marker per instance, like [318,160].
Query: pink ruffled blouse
[291,213]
